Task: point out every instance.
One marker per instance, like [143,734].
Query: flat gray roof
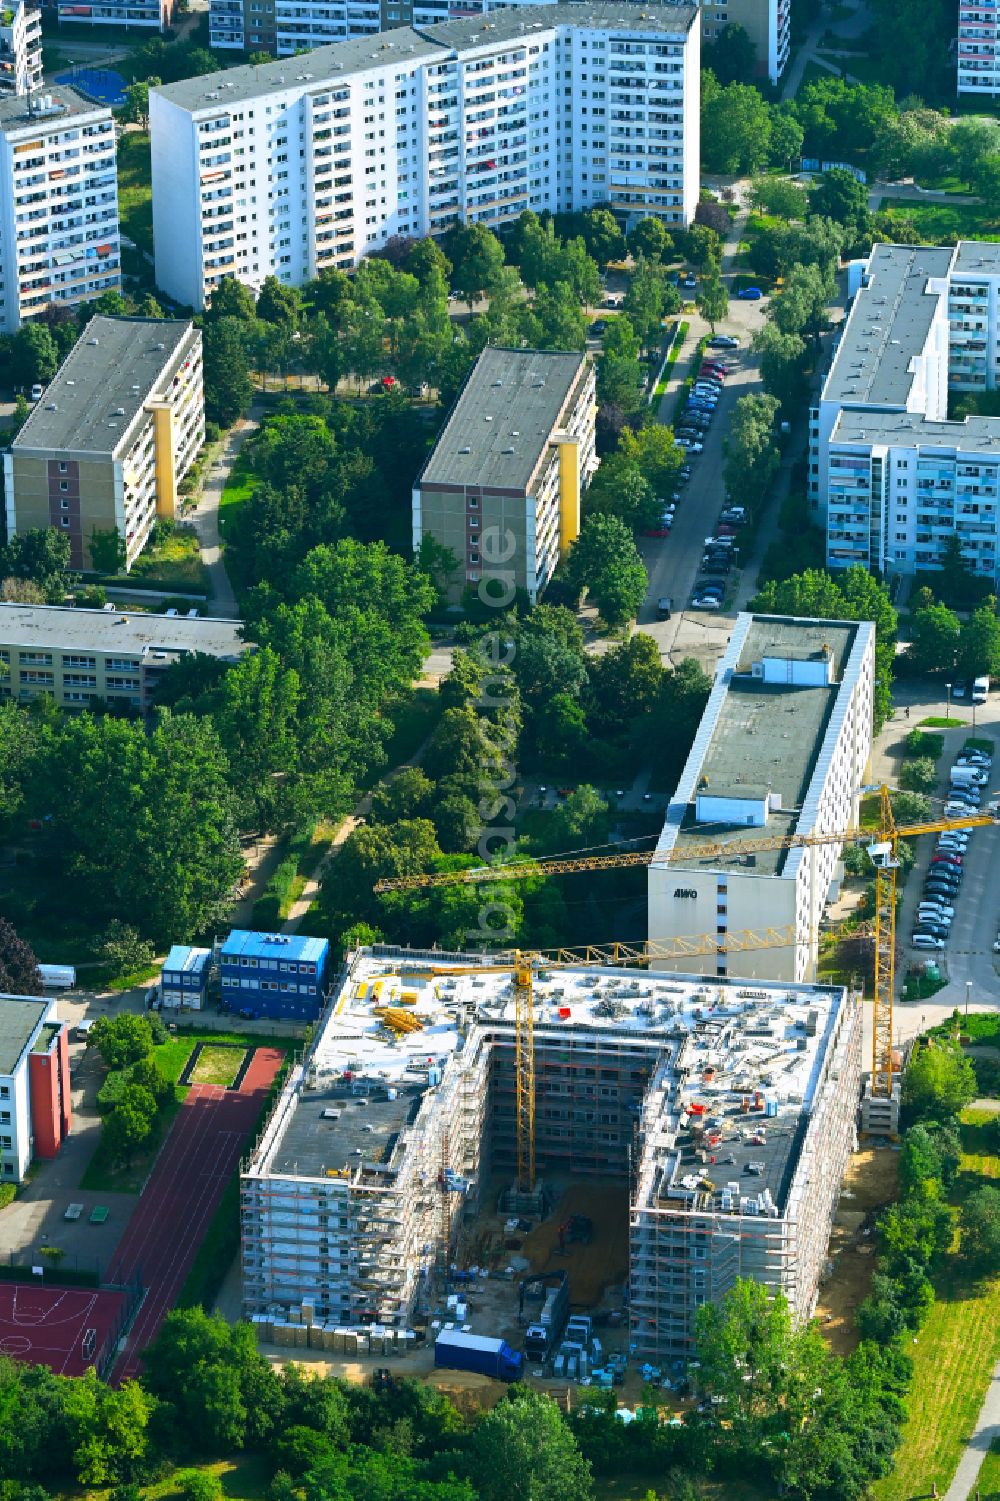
[19,1016]
[503,419]
[406,44]
[309,73]
[510,25]
[363,1133]
[14,113]
[125,632]
[972,256]
[887,326]
[92,400]
[767,735]
[980,435]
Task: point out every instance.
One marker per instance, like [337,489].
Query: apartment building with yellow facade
[112,436]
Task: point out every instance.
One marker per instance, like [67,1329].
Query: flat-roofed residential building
[502,486]
[300,165]
[892,478]
[58,204]
[115,656]
[782,748]
[978,50]
[36,1110]
[363,1191]
[150,15]
[112,437]
[20,48]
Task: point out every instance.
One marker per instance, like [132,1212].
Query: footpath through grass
[135,188]
[954,1353]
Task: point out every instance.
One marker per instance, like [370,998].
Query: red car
[656,531]
[947,860]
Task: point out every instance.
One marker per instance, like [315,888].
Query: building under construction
[728,1108]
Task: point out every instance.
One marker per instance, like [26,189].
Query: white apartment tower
[296,166]
[20,49]
[782,750]
[891,476]
[978,52]
[58,204]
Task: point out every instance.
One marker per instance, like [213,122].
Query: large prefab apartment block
[384,1140]
[58,204]
[115,657]
[274,974]
[20,49]
[782,749]
[112,437]
[35,1105]
[293,167]
[502,487]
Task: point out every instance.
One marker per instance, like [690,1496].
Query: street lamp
[947,712]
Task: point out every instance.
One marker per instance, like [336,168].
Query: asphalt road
[673,563]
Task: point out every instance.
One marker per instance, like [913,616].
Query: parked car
[734,515]
[980,690]
[724,341]
[691,445]
[942,888]
[37,391]
[663,607]
[706,601]
[598,327]
[749,294]
[689,282]
[925,941]
[938,909]
[960,689]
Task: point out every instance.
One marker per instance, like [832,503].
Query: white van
[980,690]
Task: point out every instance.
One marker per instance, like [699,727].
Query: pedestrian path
[963,1487]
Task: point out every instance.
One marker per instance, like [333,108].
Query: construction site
[426,1178]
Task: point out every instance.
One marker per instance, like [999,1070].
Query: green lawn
[989,1476]
[104,1176]
[239,487]
[217,1065]
[246,1477]
[945,223]
[173,563]
[954,1354]
[135,189]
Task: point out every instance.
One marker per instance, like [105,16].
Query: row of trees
[942,643]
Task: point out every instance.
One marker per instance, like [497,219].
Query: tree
[979,642]
[782,363]
[704,247]
[476,257]
[136,108]
[619,490]
[619,371]
[918,774]
[840,196]
[980,1224]
[457,823]
[802,307]
[751,457]
[778,197]
[525,1451]
[938,1083]
[654,453]
[201,1369]
[121,1039]
[108,550]
[732,57]
[228,388]
[198,1485]
[279,304]
[231,299]
[745,1345]
[624,686]
[256,717]
[713,300]
[735,127]
[649,240]
[934,632]
[130,1124]
[580,821]
[604,560]
[19,973]
[713,215]
[34,355]
[40,555]
[644,301]
[787,137]
[125,951]
[409,794]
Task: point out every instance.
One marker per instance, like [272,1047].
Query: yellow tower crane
[883,845]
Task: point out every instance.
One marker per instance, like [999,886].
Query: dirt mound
[594,1267]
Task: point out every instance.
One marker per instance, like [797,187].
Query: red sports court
[68,1329]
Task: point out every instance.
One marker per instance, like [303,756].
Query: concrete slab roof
[19,1017]
[123,632]
[310,73]
[668,20]
[978,435]
[504,418]
[105,381]
[974,257]
[887,326]
[15,114]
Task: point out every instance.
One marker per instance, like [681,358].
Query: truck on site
[456,1350]
[57,976]
[542,1332]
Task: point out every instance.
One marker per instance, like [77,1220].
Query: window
[64,484]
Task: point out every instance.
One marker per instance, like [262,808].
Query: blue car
[750,294]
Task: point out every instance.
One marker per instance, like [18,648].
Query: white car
[690,444]
[941,907]
[996,946]
[925,941]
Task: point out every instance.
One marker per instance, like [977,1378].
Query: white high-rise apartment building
[891,477]
[20,49]
[978,51]
[296,166]
[58,204]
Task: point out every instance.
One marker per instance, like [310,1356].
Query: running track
[182,1193]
